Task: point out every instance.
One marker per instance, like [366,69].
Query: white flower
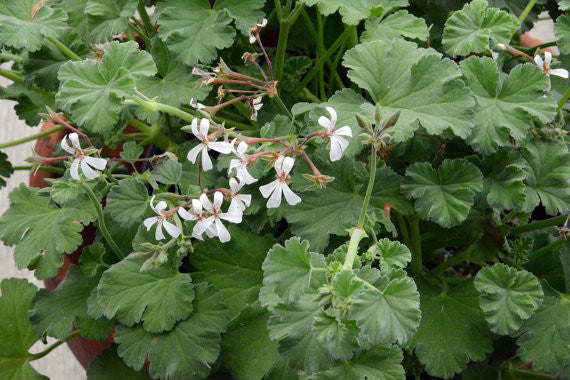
[283,166]
[338,143]
[194,215]
[239,201]
[256,29]
[240,165]
[196,105]
[212,225]
[202,135]
[545,65]
[256,105]
[172,230]
[82,159]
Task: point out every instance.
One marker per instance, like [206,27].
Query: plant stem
[102,225]
[64,49]
[11,57]
[537,225]
[416,265]
[45,169]
[403,227]
[526,10]
[544,250]
[141,34]
[563,100]
[155,107]
[453,261]
[43,353]
[157,138]
[283,106]
[358,232]
[16,78]
[284,27]
[33,137]
[509,216]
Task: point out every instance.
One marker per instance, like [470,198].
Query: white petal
[220,146]
[548,57]
[343,142]
[236,204]
[325,123]
[75,140]
[336,150]
[242,147]
[160,206]
[263,22]
[74,170]
[195,130]
[234,163]
[218,199]
[246,176]
[223,233]
[202,226]
[65,146]
[206,203]
[204,126]
[245,198]
[149,222]
[206,161]
[275,199]
[344,131]
[158,234]
[193,153]
[538,60]
[186,215]
[97,163]
[211,231]
[196,206]
[252,39]
[562,73]
[288,164]
[87,171]
[234,185]
[290,196]
[234,214]
[332,112]
[266,190]
[172,230]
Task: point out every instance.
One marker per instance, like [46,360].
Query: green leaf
[508,297]
[353,12]
[246,13]
[337,207]
[291,326]
[42,231]
[110,366]
[476,28]
[189,350]
[547,176]
[388,311]
[339,337]
[16,333]
[159,297]
[564,5]
[192,31]
[131,151]
[29,103]
[562,31]
[392,254]
[425,89]
[546,334]
[382,362]
[168,172]
[128,201]
[446,195]
[293,269]
[55,312]
[452,332]
[293,71]
[93,92]
[506,108]
[25,25]
[397,25]
[108,17]
[233,267]
[6,169]
[504,176]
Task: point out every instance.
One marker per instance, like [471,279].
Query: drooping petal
[332,112]
[562,73]
[275,200]
[344,131]
[325,123]
[75,140]
[193,153]
[74,170]
[220,146]
[172,230]
[87,171]
[160,206]
[245,199]
[288,163]
[202,225]
[204,126]
[218,199]
[290,196]
[206,203]
[248,178]
[548,57]
[234,214]
[206,161]
[97,163]
[65,145]
[266,190]
[159,234]
[186,215]
[195,130]
[223,233]
[538,60]
[335,153]
[149,222]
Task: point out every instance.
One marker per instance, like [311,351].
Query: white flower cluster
[89,165]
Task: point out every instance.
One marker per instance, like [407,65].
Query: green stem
[43,353]
[355,237]
[537,225]
[526,10]
[154,134]
[102,225]
[45,169]
[145,19]
[453,261]
[309,96]
[563,100]
[278,10]
[141,34]
[544,250]
[416,265]
[40,135]
[17,78]
[509,216]
[11,57]
[283,106]
[156,107]
[403,228]
[284,27]
[64,49]
[325,57]
[320,51]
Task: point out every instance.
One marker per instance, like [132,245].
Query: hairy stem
[416,245]
[33,137]
[17,78]
[145,19]
[537,225]
[45,169]
[563,100]
[40,355]
[526,10]
[64,49]
[283,106]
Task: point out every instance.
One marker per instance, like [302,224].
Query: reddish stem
[253,140]
[269,66]
[234,81]
[231,101]
[60,121]
[316,171]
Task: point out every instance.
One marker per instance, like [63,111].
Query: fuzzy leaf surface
[353,12]
[392,254]
[397,25]
[562,30]
[128,201]
[106,18]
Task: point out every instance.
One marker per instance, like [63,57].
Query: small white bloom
[202,134]
[196,105]
[172,230]
[240,165]
[239,201]
[195,214]
[338,143]
[256,29]
[275,189]
[545,65]
[256,105]
[82,158]
[213,225]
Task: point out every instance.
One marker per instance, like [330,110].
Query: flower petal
[186,215]
[248,178]
[266,190]
[223,233]
[206,161]
[562,73]
[234,214]
[245,199]
[332,112]
[206,203]
[218,199]
[75,140]
[242,147]
[204,126]
[275,199]
[344,131]
[538,60]
[87,171]
[74,170]
[158,234]
[196,206]
[288,163]
[202,226]
[290,196]
[149,222]
[325,123]
[220,146]
[234,185]
[195,130]
[193,153]
[65,145]
[160,206]
[335,153]
[172,230]
[97,163]
[548,57]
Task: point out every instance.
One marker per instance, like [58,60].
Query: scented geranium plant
[308,189]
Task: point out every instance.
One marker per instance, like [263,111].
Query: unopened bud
[363,122]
